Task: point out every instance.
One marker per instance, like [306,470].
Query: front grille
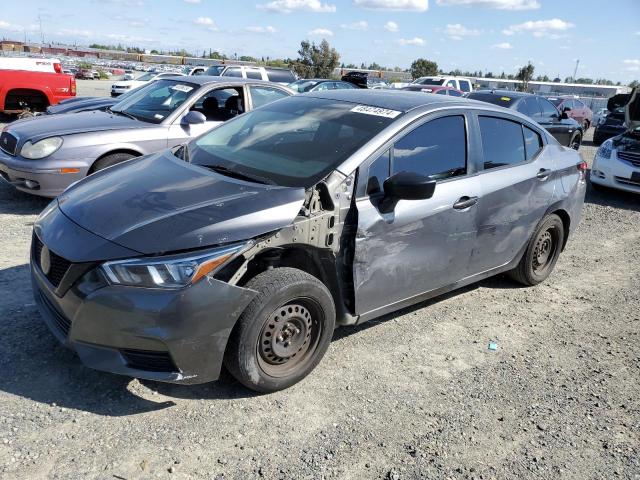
[149,360]
[59,265]
[627,181]
[631,157]
[62,323]
[8,143]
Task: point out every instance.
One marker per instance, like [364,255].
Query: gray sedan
[248,247]
[46,154]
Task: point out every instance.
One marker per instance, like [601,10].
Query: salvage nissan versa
[253,241]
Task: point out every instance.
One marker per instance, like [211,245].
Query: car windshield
[215,71]
[294,142]
[301,86]
[428,81]
[156,101]
[504,100]
[146,77]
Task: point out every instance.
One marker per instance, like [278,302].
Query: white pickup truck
[29,64]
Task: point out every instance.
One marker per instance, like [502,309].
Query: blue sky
[487,35]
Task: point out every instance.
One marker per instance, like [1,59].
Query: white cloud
[268,29]
[288,6]
[194,2]
[9,26]
[503,46]
[71,32]
[417,41]
[457,31]
[417,5]
[391,26]
[633,65]
[320,32]
[497,4]
[206,22]
[540,28]
[361,25]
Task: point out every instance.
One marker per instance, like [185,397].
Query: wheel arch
[126,150]
[566,222]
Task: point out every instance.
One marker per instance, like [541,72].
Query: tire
[292,315]
[585,126]
[576,141]
[110,160]
[541,254]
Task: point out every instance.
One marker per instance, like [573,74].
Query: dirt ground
[416,394]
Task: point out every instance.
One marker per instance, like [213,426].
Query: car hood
[86,103]
[159,203]
[45,126]
[631,102]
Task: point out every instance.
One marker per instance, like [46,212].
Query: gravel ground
[416,394]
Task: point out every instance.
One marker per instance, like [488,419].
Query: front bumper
[176,336]
[614,173]
[41,177]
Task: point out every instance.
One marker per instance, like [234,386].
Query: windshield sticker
[378,112]
[182,88]
[158,116]
[505,99]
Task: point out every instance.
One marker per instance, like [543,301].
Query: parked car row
[248,244]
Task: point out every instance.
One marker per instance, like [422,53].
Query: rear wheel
[283,333]
[585,126]
[109,160]
[542,253]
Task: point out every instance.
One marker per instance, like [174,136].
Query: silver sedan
[44,155]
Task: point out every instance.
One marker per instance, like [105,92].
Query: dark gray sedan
[46,154]
[251,243]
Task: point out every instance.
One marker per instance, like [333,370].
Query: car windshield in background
[302,86]
[156,101]
[294,142]
[146,77]
[555,101]
[427,81]
[215,71]
[497,99]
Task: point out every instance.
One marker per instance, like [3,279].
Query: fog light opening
[31,184]
[598,174]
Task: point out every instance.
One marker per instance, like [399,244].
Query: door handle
[465,202]
[543,173]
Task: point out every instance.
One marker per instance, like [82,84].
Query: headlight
[174,271]
[41,149]
[605,150]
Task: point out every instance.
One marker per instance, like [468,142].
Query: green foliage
[423,68]
[316,61]
[525,74]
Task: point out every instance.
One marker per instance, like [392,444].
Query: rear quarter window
[280,76]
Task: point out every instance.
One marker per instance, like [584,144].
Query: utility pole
[575,71]
[41,34]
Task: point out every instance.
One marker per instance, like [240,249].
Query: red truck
[24,92]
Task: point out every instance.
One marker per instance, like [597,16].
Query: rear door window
[233,72]
[437,148]
[452,83]
[263,95]
[465,85]
[502,142]
[253,73]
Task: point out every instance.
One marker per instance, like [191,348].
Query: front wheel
[542,252]
[283,333]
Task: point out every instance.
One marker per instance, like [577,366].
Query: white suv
[269,74]
[463,84]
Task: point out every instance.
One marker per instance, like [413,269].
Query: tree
[316,61]
[634,84]
[525,74]
[423,68]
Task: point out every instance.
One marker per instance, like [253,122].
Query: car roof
[401,100]
[207,79]
[505,93]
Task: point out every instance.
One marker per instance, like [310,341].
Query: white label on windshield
[182,88]
[378,112]
[157,116]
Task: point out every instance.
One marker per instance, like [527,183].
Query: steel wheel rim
[289,337]
[545,250]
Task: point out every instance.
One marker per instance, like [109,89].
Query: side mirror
[566,109]
[193,118]
[406,186]
[564,115]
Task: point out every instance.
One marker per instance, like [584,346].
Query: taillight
[57,67]
[73,86]
[582,166]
